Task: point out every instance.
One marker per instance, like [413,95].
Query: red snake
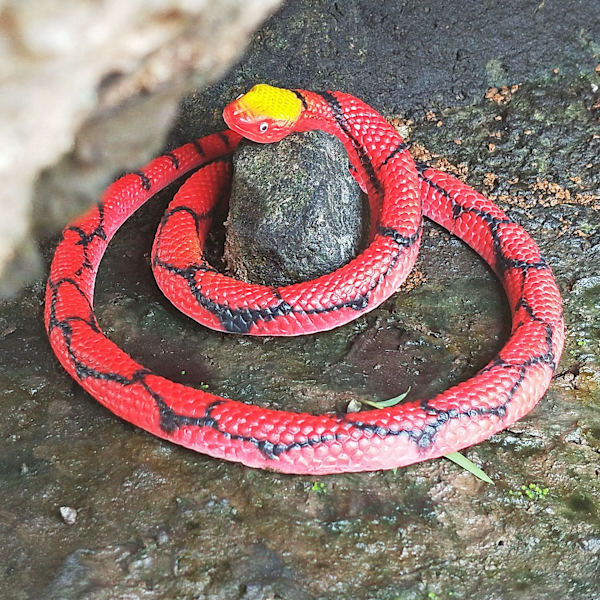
[398,190]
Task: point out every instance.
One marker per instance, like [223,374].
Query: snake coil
[400,193]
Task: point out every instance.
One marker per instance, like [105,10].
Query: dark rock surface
[405,56]
[156,521]
[295,210]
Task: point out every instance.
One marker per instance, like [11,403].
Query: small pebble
[68,514]
[162,538]
[591,544]
[574,436]
[354,406]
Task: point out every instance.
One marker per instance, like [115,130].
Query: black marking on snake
[302,99]
[144,179]
[547,357]
[171,421]
[363,157]
[53,322]
[64,325]
[174,160]
[224,139]
[84,371]
[524,304]
[233,320]
[459,209]
[198,146]
[383,431]
[359,303]
[522,265]
[197,217]
[401,240]
[399,148]
[442,416]
[188,272]
[241,320]
[100,207]
[276,293]
[87,238]
[425,436]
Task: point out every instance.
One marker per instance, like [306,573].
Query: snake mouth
[253,128]
[231,116]
[238,121]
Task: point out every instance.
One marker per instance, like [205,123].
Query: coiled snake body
[399,192]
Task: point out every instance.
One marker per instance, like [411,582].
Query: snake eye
[263,127]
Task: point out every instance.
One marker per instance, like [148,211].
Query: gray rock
[295,211]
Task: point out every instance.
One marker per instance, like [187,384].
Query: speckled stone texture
[295,211]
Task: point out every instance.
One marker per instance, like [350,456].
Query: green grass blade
[386,403]
[465,463]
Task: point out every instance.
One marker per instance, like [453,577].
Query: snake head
[264,114]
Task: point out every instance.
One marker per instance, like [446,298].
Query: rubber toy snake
[400,192]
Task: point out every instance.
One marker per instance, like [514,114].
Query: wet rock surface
[295,211]
[156,521]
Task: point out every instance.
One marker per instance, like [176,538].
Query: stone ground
[93,508]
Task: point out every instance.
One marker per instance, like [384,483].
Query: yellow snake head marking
[264,114]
